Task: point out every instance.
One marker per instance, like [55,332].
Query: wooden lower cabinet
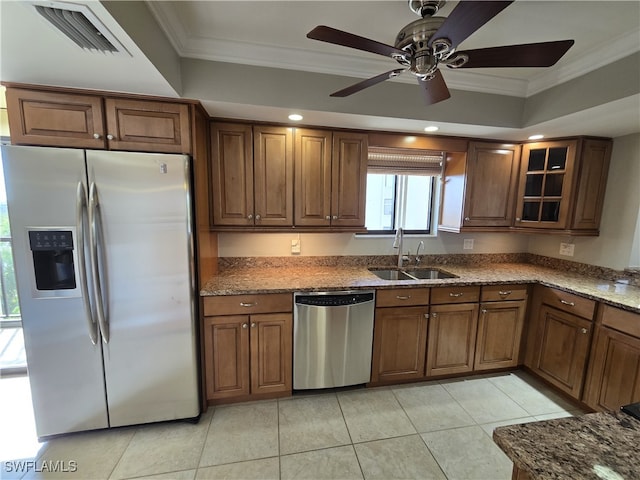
[452,338]
[561,349]
[399,334]
[614,369]
[248,355]
[499,336]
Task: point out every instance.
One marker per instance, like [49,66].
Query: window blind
[404,161]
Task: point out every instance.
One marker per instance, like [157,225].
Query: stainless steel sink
[416,274]
[391,274]
[429,274]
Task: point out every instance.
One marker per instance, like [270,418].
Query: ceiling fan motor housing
[426,8]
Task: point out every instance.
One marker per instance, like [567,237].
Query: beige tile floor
[439,430]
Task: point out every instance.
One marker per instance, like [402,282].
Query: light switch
[566,249]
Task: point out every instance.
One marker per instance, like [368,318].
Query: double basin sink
[411,274]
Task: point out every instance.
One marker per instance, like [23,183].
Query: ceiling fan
[424,44]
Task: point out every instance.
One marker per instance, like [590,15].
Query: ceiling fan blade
[466,18]
[346,39]
[367,83]
[434,90]
[543,54]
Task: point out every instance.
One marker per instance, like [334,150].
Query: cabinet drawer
[499,293]
[247,304]
[622,320]
[568,302]
[455,295]
[399,297]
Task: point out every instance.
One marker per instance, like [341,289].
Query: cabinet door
[562,348]
[614,373]
[55,119]
[452,338]
[499,334]
[349,179]
[232,174]
[312,151]
[492,178]
[546,183]
[226,353]
[273,176]
[271,353]
[147,126]
[594,168]
[399,342]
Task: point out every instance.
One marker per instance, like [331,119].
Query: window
[400,189]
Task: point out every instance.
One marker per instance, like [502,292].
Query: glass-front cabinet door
[545,184]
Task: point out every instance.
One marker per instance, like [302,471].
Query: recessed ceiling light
[295,116]
[431,128]
[536,137]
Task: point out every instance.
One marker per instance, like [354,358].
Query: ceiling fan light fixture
[431,129]
[537,136]
[296,117]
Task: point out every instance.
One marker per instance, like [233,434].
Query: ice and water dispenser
[53,260]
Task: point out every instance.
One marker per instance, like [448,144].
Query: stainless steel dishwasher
[332,339]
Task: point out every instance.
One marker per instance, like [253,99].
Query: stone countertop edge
[257,280]
[591,446]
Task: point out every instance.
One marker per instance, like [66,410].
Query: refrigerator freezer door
[143,217]
[65,368]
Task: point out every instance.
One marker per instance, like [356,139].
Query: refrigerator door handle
[95,266]
[81,212]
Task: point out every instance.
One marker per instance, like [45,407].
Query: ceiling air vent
[81,25]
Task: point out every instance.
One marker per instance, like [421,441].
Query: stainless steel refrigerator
[103,255]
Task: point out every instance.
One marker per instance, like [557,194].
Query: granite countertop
[274,279]
[592,446]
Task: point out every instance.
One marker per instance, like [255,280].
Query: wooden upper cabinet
[232,174]
[312,177]
[55,119]
[273,176]
[349,179]
[147,126]
[60,119]
[479,190]
[562,185]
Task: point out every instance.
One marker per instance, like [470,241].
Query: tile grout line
[353,446]
[206,436]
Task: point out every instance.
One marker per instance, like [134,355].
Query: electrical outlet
[468,244]
[566,249]
[295,245]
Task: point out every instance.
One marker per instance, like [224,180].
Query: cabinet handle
[484,310]
[564,302]
[250,217]
[258,217]
[401,297]
[504,293]
[243,304]
[455,295]
[253,324]
[244,325]
[96,136]
[584,330]
[110,137]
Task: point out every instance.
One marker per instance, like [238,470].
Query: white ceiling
[273,34]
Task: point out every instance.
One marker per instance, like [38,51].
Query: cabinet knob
[327,217]
[434,315]
[518,219]
[466,219]
[426,315]
[253,324]
[335,217]
[96,136]
[584,330]
[244,325]
[110,137]
[250,217]
[484,310]
[504,293]
[258,217]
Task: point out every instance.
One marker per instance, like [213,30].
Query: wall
[617,245]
